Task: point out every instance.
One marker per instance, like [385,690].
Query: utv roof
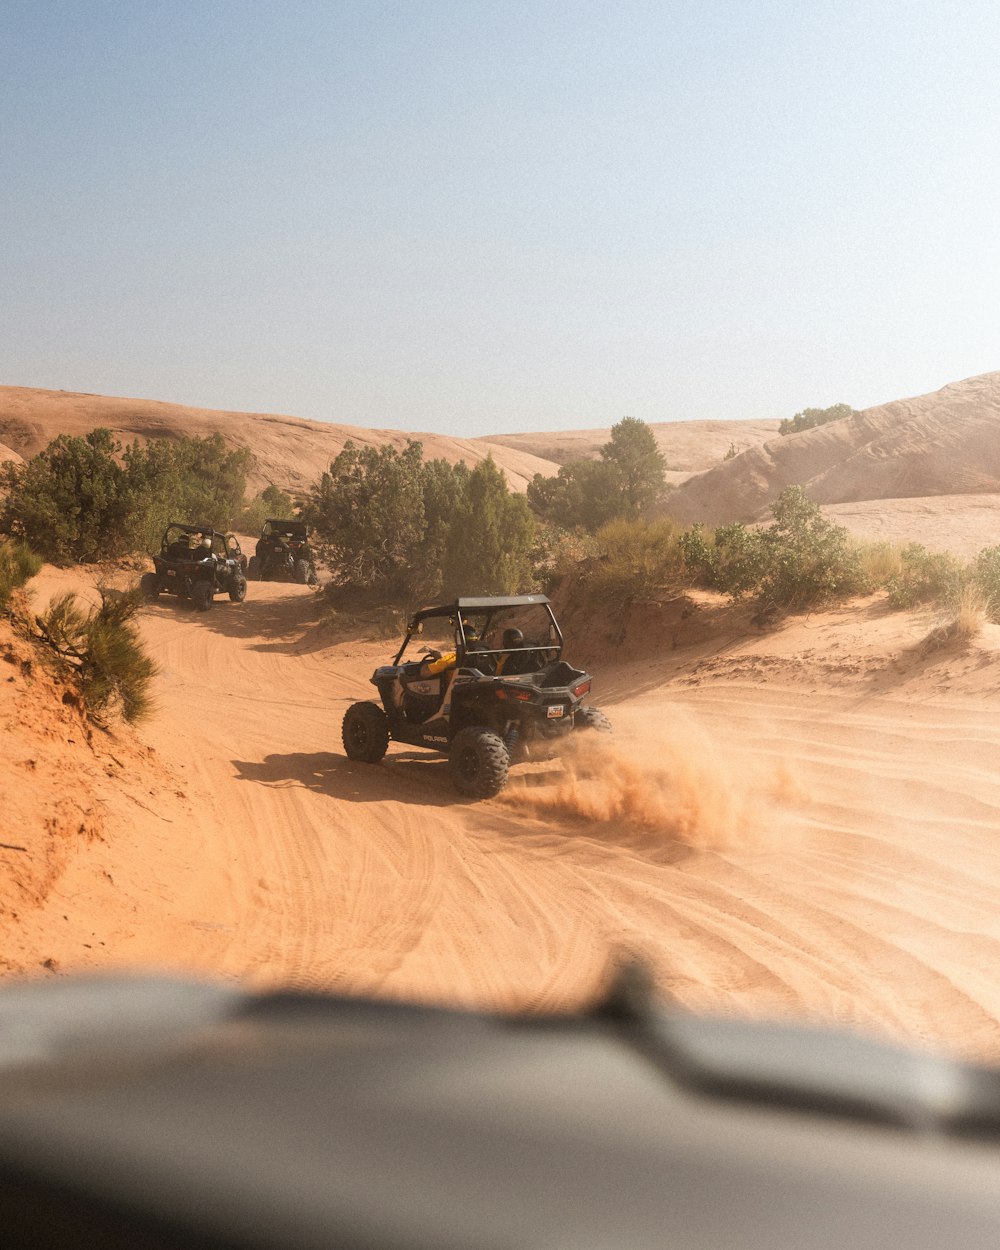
[285,523]
[192,529]
[478,604]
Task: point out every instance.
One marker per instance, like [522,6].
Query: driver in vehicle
[437,663]
[511,662]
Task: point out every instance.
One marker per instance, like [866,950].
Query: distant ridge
[290,452]
[943,443]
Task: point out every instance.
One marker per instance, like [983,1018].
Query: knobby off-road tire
[149,584]
[253,569]
[238,589]
[591,718]
[365,732]
[201,595]
[478,762]
[302,572]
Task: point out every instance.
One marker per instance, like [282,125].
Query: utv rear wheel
[478,762]
[253,569]
[201,595]
[238,589]
[149,584]
[302,572]
[365,732]
[591,718]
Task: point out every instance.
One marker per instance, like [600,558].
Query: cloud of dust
[672,779]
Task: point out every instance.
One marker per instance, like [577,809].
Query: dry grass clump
[973,608]
[880,562]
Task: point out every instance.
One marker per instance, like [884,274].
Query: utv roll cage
[276,525]
[487,605]
[175,547]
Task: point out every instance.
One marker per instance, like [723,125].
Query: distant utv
[283,554]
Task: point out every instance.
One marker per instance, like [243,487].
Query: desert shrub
[69,501]
[405,532]
[809,418]
[935,577]
[102,649]
[367,512]
[624,482]
[880,562]
[636,559]
[271,502]
[18,564]
[489,538]
[89,499]
[972,610]
[985,575]
[557,552]
[798,562]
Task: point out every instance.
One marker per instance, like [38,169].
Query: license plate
[553,712]
[171,572]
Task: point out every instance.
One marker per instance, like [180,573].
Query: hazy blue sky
[481,217]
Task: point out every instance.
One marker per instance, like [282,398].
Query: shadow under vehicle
[197,562]
[490,690]
[283,554]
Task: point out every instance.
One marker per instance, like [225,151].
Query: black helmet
[513,638]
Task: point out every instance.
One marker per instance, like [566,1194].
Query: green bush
[18,564]
[809,418]
[985,576]
[398,531]
[624,482]
[934,577]
[271,502]
[636,560]
[798,562]
[85,499]
[102,649]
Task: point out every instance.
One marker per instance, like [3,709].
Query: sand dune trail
[794,848]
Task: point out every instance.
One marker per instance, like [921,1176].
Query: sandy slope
[945,443]
[805,822]
[689,446]
[290,452]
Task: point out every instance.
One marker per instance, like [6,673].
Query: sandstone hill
[943,444]
[290,452]
[688,446]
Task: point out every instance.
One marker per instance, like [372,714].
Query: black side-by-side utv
[489,687]
[197,562]
[283,554]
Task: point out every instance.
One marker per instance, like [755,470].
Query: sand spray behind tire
[672,779]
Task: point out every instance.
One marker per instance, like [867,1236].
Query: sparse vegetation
[396,530]
[879,562]
[985,576]
[798,562]
[85,499]
[18,564]
[271,502]
[809,418]
[101,649]
[926,577]
[638,559]
[587,494]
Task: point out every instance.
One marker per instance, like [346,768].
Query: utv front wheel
[238,589]
[201,595]
[365,732]
[591,718]
[478,762]
[149,584]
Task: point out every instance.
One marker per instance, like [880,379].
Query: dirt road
[771,846]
